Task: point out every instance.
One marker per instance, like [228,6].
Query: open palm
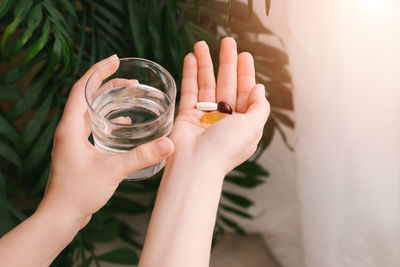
[235,137]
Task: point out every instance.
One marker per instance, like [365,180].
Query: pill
[212,117]
[206,106]
[224,107]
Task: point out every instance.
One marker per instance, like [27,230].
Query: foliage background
[47,45]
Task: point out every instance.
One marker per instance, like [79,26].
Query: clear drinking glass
[130,102]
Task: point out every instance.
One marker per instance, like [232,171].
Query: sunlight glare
[370,6]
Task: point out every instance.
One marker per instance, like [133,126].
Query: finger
[117,82]
[143,156]
[189,88]
[258,106]
[205,72]
[76,104]
[227,79]
[245,79]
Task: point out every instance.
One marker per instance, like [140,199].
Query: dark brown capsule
[224,107]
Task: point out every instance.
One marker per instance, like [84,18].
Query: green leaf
[106,26]
[236,211]
[125,205]
[231,224]
[69,7]
[283,118]
[247,182]
[41,184]
[121,256]
[172,37]
[6,221]
[261,49]
[9,154]
[273,71]
[38,45]
[154,28]
[34,19]
[104,215]
[137,27]
[102,232]
[119,5]
[60,31]
[111,17]
[279,94]
[55,56]
[34,125]
[282,133]
[82,37]
[237,199]
[8,130]
[268,133]
[56,17]
[22,8]
[13,75]
[197,6]
[13,210]
[28,101]
[109,40]
[189,39]
[5,5]
[125,233]
[204,34]
[3,186]
[236,24]
[9,30]
[93,46]
[20,11]
[37,153]
[251,167]
[131,241]
[67,52]
[9,91]
[267,6]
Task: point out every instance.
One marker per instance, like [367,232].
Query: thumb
[258,107]
[145,155]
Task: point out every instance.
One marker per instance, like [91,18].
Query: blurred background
[323,189]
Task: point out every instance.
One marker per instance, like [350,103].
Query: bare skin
[182,223]
[82,179]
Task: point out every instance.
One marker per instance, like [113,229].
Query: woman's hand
[82,179]
[232,140]
[183,218]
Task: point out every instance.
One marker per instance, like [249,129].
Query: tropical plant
[47,45]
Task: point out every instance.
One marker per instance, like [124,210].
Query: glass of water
[130,102]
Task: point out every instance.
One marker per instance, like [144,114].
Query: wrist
[203,165]
[60,218]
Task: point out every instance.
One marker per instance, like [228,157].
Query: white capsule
[206,106]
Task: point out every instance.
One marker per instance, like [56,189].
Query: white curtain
[345,61]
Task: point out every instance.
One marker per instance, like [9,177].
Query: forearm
[37,241]
[182,223]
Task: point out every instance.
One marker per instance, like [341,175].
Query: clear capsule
[210,118]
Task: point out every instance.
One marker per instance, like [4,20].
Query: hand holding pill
[219,119]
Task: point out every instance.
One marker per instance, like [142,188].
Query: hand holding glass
[130,102]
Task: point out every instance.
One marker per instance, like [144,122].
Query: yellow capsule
[210,118]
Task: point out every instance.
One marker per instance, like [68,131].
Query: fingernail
[113,56]
[163,147]
[262,88]
[202,42]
